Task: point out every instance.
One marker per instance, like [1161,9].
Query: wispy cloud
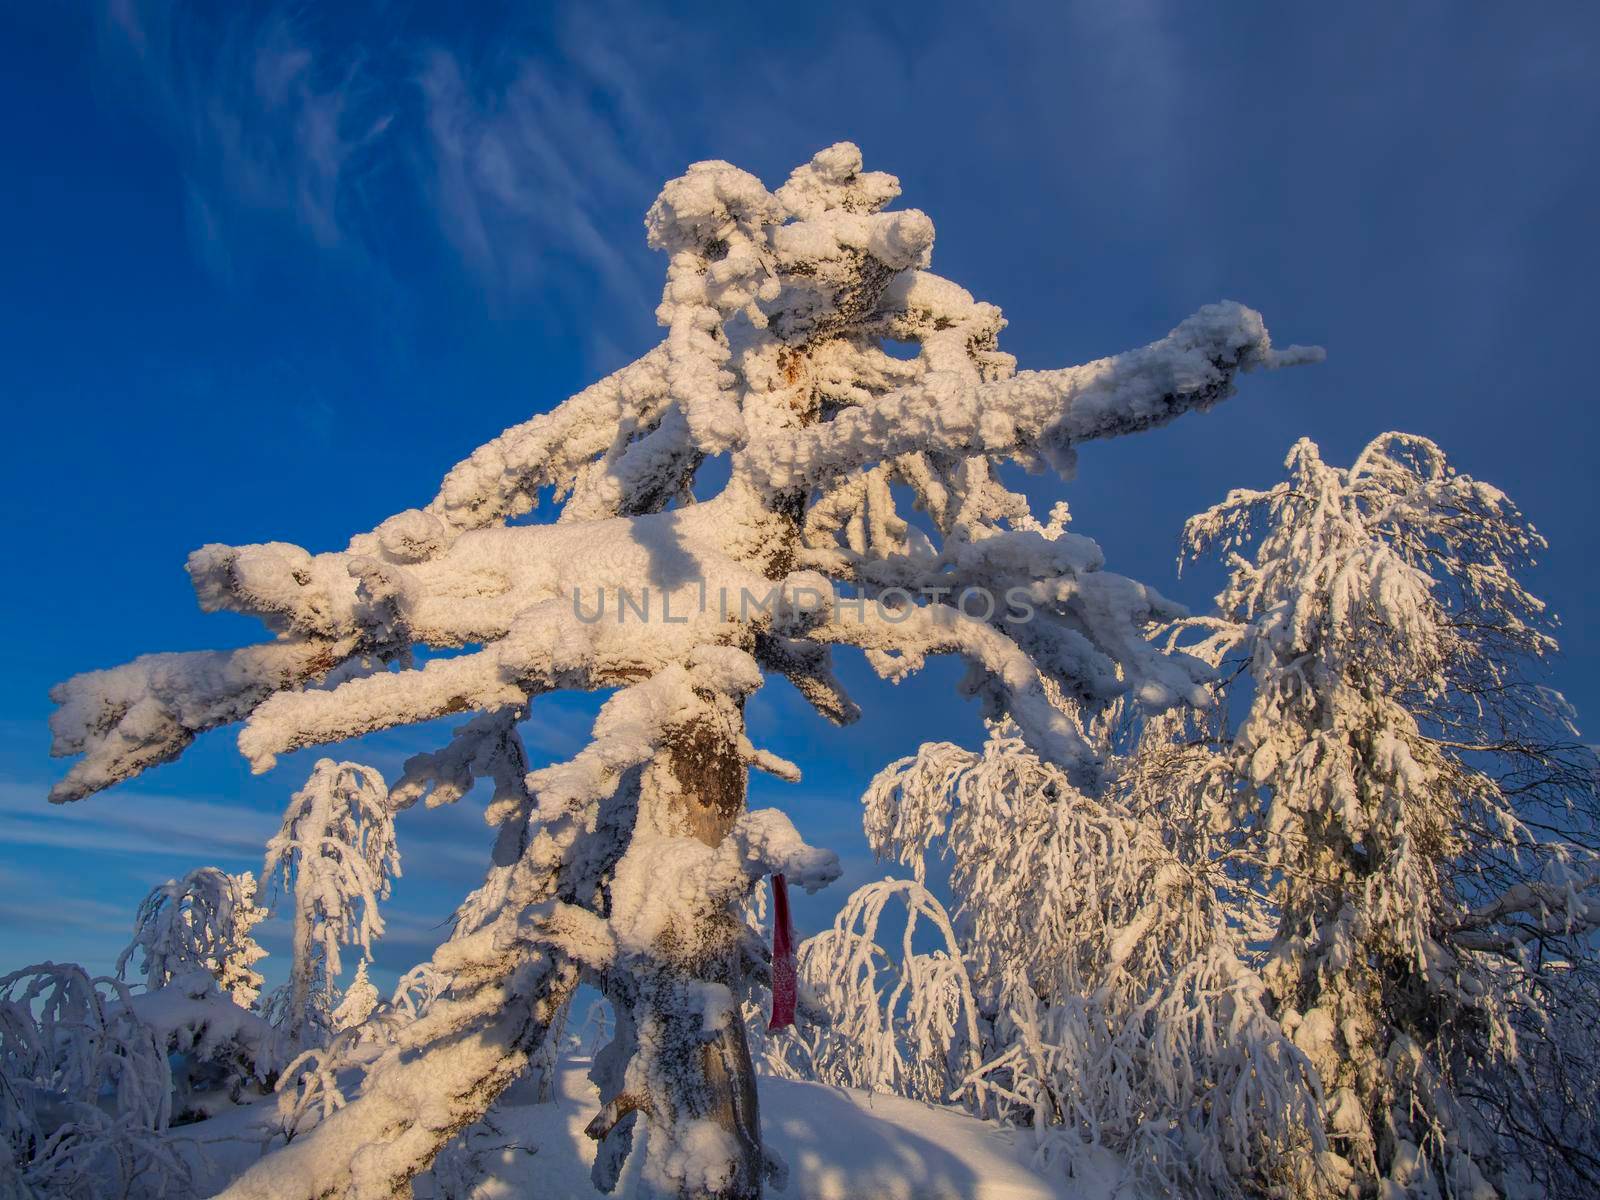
[516,158]
[521,174]
[32,900]
[142,824]
[264,125]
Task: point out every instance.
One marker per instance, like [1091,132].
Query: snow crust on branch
[1035,412]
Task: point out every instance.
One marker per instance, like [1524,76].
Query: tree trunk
[299,1016]
[690,1078]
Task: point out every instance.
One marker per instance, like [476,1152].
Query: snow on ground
[840,1144]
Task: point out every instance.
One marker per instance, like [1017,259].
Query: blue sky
[268,271]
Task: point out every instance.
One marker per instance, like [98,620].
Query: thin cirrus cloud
[261,127]
[507,157]
[184,833]
[135,824]
[522,172]
[31,900]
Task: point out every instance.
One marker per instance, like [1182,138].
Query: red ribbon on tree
[785,978]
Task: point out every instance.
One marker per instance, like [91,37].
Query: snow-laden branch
[813,276]
[129,718]
[1532,911]
[413,1103]
[1034,412]
[1001,674]
[503,477]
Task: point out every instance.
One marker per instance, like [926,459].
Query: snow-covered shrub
[316,1082]
[1421,816]
[85,1092]
[192,937]
[625,866]
[220,1054]
[336,854]
[200,922]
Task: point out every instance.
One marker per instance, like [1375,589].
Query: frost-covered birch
[1102,938]
[336,855]
[627,864]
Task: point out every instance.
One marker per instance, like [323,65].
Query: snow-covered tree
[626,865]
[1424,823]
[238,976]
[358,1000]
[200,922]
[336,854]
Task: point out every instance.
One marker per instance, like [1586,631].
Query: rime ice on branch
[624,864]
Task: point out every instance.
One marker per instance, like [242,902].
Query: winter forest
[1295,894]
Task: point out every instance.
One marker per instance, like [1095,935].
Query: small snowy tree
[336,854]
[200,922]
[357,1002]
[238,975]
[1423,816]
[627,864]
